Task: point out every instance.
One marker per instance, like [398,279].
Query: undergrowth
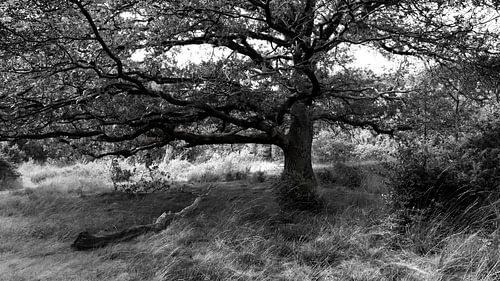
[238,232]
[441,191]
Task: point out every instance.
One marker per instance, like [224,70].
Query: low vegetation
[237,233]
[9,177]
[341,140]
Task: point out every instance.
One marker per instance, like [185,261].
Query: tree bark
[298,186]
[268,152]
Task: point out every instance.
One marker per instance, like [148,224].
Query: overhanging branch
[361,123]
[229,138]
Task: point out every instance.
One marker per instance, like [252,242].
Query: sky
[364,57]
[371,59]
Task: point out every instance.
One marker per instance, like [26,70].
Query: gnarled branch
[87,241]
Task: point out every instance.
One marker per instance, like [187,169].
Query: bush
[8,175]
[327,149]
[340,174]
[151,179]
[377,152]
[10,152]
[369,147]
[39,151]
[460,185]
[259,176]
[237,175]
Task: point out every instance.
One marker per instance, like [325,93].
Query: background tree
[110,71]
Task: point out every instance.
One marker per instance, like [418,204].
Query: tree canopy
[110,71]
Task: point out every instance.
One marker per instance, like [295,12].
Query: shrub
[40,151]
[259,176]
[237,175]
[11,153]
[372,147]
[340,174]
[204,177]
[423,188]
[177,168]
[377,152]
[327,149]
[461,185]
[8,175]
[151,179]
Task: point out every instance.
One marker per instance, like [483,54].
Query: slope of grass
[237,233]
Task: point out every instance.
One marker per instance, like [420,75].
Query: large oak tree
[114,72]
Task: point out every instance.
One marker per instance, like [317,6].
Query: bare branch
[378,128]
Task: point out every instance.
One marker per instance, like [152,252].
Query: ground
[237,233]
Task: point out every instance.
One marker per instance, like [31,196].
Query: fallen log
[87,241]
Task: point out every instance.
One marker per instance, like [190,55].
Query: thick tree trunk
[298,187]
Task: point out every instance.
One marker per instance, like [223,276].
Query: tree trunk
[298,186]
[268,152]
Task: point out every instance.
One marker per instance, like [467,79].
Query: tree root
[87,241]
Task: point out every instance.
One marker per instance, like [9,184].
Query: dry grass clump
[469,257]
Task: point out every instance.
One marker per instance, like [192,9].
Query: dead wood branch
[87,241]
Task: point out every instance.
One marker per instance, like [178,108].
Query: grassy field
[237,233]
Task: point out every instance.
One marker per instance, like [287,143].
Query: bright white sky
[365,57]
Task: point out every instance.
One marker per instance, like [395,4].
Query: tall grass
[95,175]
[220,167]
[80,177]
[238,233]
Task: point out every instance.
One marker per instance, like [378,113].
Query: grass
[95,176]
[80,177]
[237,233]
[38,225]
[230,167]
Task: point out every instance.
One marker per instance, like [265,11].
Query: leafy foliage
[8,174]
[341,175]
[461,184]
[112,72]
[93,72]
[135,181]
[326,148]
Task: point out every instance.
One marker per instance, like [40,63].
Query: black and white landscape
[249,140]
